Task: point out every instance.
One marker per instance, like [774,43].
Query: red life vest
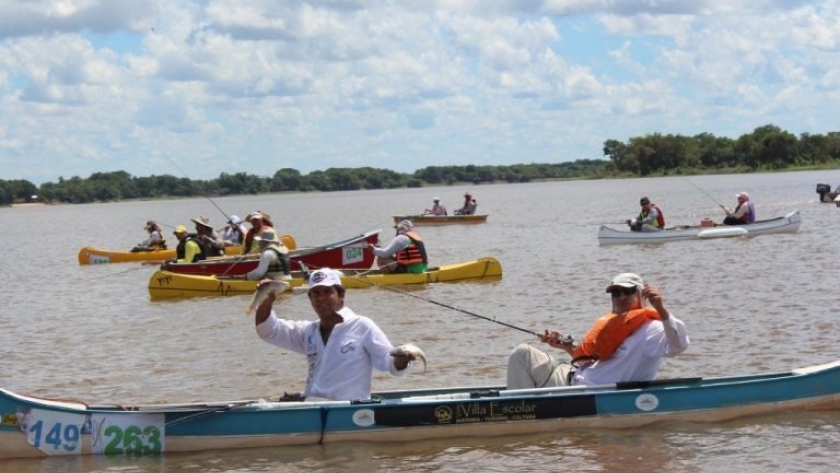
[609,332]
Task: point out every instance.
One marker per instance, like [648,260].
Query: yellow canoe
[89,255]
[168,285]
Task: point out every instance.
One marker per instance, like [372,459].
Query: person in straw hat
[154,241]
[274,258]
[208,237]
[260,222]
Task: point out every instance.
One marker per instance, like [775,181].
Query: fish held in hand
[261,294]
[410,349]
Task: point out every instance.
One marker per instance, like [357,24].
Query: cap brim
[627,285]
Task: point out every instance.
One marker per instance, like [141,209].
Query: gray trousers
[529,368]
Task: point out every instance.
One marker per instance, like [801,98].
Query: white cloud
[228,86]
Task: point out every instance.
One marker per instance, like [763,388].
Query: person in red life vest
[628,344]
[744,213]
[650,219]
[405,254]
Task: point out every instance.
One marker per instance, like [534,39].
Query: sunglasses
[618,291]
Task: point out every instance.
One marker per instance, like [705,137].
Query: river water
[767,303]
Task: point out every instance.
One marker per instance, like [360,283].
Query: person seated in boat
[260,222]
[234,232]
[274,258]
[189,249]
[744,213]
[342,348]
[154,241]
[650,218]
[628,344]
[208,237]
[406,253]
[437,208]
[469,206]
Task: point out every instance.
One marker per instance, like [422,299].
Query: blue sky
[256,86]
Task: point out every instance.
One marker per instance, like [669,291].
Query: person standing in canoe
[650,219]
[628,344]
[437,208]
[274,258]
[154,241]
[342,348]
[406,253]
[744,213]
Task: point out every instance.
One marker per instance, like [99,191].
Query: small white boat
[788,224]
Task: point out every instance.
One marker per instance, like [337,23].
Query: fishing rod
[705,193]
[188,177]
[360,277]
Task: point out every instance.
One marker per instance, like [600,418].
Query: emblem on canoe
[647,402]
[363,418]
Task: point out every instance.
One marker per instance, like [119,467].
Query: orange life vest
[609,332]
[415,253]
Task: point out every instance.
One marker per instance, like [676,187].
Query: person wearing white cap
[234,232]
[274,258]
[744,213]
[628,344]
[342,348]
[437,208]
[406,253]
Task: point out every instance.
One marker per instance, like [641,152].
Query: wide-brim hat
[203,221]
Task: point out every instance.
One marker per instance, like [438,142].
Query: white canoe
[788,224]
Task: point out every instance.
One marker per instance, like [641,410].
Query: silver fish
[262,293]
[409,348]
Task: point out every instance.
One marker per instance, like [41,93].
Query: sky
[197,88]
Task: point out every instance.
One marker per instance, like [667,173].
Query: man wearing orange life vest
[405,254]
[628,344]
[650,219]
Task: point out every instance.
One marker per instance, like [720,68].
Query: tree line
[766,148]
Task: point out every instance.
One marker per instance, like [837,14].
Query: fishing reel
[566,341]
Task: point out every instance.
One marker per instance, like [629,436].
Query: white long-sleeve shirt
[399,243]
[342,369]
[638,358]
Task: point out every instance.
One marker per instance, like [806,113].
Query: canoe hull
[790,223]
[349,253]
[90,255]
[168,285]
[402,415]
[436,220]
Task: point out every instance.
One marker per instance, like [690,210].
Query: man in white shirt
[614,351]
[341,347]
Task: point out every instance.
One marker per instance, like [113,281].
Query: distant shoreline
[30,204]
